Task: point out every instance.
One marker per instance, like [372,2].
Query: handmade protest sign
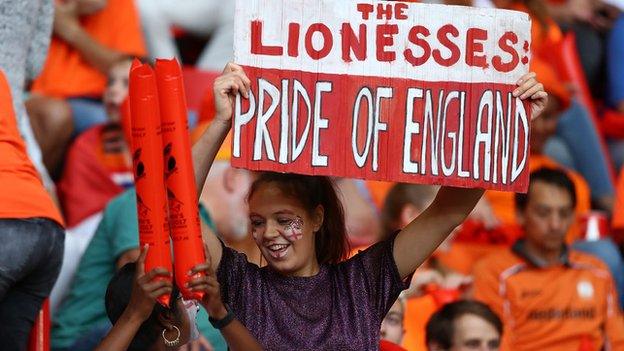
[383,90]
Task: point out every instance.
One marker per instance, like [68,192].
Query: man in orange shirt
[30,231]
[549,296]
[89,37]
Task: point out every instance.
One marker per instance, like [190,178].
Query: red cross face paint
[294,230]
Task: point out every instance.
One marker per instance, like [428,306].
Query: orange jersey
[22,194]
[503,203]
[417,313]
[554,308]
[67,74]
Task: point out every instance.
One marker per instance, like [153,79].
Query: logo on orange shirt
[585,289]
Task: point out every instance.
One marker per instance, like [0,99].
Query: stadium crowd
[536,271]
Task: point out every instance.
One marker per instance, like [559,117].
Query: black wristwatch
[223,322]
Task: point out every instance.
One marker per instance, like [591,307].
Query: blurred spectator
[97,168]
[576,123]
[25,36]
[493,224]
[90,36]
[403,203]
[225,196]
[432,284]
[464,326]
[392,325]
[211,18]
[31,232]
[361,216]
[549,296]
[589,20]
[98,165]
[81,320]
[542,129]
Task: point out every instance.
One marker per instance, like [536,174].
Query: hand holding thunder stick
[179,176]
[148,171]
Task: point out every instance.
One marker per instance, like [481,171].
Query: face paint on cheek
[294,230]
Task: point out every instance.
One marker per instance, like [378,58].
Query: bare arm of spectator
[423,235]
[231,82]
[67,27]
[361,218]
[145,291]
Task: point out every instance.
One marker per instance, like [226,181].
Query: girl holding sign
[309,296]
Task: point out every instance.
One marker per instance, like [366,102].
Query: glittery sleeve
[382,280]
[232,273]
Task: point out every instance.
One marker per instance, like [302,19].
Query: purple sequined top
[341,308]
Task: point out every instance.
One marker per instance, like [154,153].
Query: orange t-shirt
[553,308]
[22,194]
[67,74]
[417,313]
[504,206]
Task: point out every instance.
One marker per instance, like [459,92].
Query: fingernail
[516,92]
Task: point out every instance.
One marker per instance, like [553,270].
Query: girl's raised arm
[232,81]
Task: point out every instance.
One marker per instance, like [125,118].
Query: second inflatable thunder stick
[148,170]
[188,249]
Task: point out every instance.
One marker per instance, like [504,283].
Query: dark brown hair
[117,298]
[538,9]
[441,326]
[331,242]
[550,176]
[398,197]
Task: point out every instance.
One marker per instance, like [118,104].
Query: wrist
[222,121]
[219,312]
[224,321]
[132,316]
[69,33]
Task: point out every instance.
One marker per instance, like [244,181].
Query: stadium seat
[196,82]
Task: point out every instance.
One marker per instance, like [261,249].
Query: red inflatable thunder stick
[182,197]
[148,170]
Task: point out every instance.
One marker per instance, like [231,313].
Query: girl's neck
[309,270]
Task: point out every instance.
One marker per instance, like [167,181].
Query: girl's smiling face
[284,231]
